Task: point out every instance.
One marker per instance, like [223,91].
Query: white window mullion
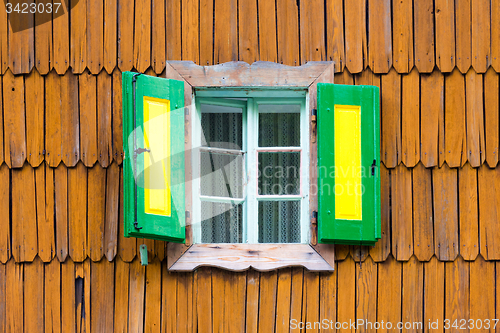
[252,170]
[304,171]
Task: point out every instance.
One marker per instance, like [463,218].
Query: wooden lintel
[261,257]
[258,74]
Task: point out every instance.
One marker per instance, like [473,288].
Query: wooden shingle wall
[437,64]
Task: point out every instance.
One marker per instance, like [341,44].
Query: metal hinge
[314,217]
[314,121]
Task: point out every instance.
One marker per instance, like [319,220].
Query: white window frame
[250,138]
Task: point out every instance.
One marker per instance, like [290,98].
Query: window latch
[136,226]
[139,151]
[374,165]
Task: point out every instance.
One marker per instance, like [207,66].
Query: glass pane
[279,222]
[221,222]
[279,173]
[279,129]
[221,175]
[222,126]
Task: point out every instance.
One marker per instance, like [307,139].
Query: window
[238,165]
[252,182]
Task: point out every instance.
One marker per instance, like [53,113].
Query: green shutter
[154,193]
[348,193]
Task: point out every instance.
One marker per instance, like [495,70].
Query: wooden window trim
[263,257]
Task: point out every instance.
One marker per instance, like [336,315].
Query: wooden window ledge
[240,257]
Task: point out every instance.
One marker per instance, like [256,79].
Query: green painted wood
[331,230]
[168,228]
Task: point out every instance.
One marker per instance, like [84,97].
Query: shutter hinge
[373,166]
[314,217]
[314,121]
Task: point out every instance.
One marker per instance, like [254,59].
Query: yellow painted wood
[348,162]
[157,166]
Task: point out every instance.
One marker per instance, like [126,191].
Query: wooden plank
[117,129]
[482,292]
[475,121]
[112,211]
[248,37]
[346,291]
[412,294]
[82,319]
[96,201]
[434,293]
[204,299]
[359,253]
[102,279]
[33,289]
[2,298]
[423,19]
[88,119]
[95,35]
[77,212]
[70,122]
[468,203]
[206,17]
[173,25]
[481,33]
[153,297]
[402,35]
[121,296]
[380,41]
[334,33]
[283,300]
[24,233]
[267,300]
[235,300]
[383,247]
[52,299]
[489,211]
[136,296]
[169,301]
[252,306]
[423,220]
[431,118]
[445,35]
[495,31]
[53,134]
[390,98]
[389,292]
[288,32]
[14,275]
[14,120]
[43,41]
[455,130]
[1,127]
[110,35]
[410,119]
[190,31]
[296,295]
[310,298]
[60,36]
[44,194]
[71,296]
[457,291]
[126,246]
[5,185]
[355,35]
[21,43]
[218,290]
[262,257]
[184,302]
[328,297]
[142,35]
[312,31]
[491,115]
[104,120]
[225,31]
[125,35]
[445,194]
[61,211]
[463,22]
[78,36]
[402,231]
[4,55]
[366,293]
[158,39]
[34,118]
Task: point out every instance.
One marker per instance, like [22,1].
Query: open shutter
[348,164]
[153,130]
